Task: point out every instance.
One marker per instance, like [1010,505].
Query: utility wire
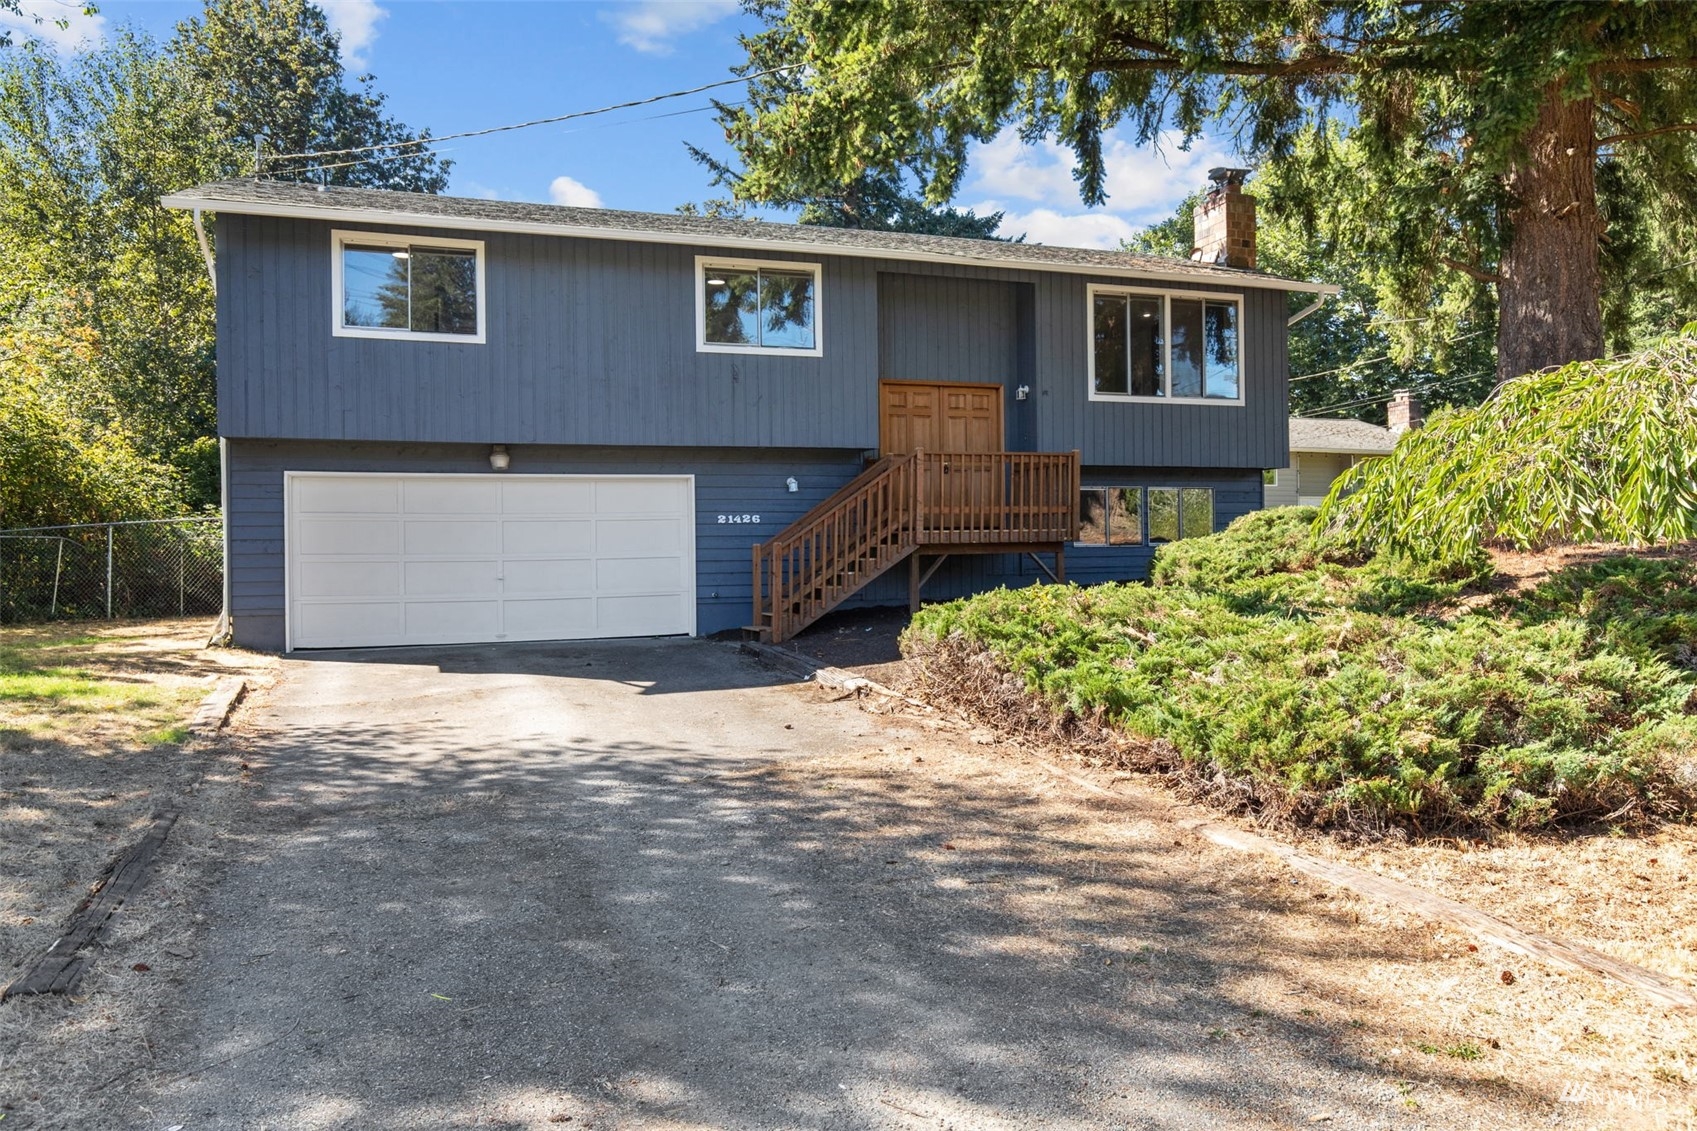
[536,122]
[1380,357]
[645,118]
[1425,388]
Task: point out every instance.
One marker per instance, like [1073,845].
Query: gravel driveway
[655,885]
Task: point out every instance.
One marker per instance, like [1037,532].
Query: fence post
[58,568]
[182,567]
[109,529]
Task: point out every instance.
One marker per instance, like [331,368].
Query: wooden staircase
[904,505]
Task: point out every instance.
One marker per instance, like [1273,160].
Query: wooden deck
[904,506]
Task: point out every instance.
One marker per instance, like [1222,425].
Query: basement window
[1140,516]
[757,306]
[1167,346]
[388,286]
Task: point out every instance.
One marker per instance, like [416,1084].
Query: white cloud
[1047,225]
[650,26]
[480,190]
[356,22]
[80,31]
[1145,184]
[573,193]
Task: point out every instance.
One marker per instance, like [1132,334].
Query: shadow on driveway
[522,890]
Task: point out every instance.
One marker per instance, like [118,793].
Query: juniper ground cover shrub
[1270,664]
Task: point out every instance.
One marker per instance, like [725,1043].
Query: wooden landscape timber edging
[1659,988]
[58,968]
[214,710]
[835,678]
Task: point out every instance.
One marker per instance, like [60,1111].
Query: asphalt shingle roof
[1344,436]
[277,198]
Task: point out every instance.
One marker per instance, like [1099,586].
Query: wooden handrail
[904,503]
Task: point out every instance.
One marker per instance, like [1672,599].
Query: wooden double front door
[938,416]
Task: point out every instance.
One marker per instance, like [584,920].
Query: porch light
[499,460]
[792,484]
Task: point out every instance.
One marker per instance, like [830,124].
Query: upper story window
[1173,346]
[389,286]
[756,306]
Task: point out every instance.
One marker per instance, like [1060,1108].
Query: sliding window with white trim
[1172,347]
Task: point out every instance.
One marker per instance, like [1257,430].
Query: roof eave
[193,199]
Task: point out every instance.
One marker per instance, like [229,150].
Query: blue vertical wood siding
[592,342]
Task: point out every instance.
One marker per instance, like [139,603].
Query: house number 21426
[739,518]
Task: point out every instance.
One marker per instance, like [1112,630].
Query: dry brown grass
[1281,956]
[90,745]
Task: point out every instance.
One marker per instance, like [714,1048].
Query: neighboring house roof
[1342,437]
[377,206]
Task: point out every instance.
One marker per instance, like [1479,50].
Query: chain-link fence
[148,568]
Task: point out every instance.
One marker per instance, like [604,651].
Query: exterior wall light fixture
[499,460]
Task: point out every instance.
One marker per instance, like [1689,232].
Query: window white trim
[1274,472]
[702,345]
[340,237]
[1091,290]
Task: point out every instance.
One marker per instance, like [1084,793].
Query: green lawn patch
[1267,665]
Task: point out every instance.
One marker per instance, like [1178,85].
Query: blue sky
[453,65]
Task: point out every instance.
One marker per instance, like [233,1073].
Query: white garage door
[461,559]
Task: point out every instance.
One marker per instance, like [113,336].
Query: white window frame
[1166,297]
[340,238]
[702,345]
[1144,542]
[1273,471]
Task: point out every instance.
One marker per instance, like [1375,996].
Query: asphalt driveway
[654,884]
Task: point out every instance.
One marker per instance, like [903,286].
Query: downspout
[226,627]
[206,252]
[1291,321]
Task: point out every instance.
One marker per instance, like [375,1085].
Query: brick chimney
[1404,412]
[1225,222]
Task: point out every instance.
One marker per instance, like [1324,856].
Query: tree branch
[1678,127]
[1656,63]
[1470,271]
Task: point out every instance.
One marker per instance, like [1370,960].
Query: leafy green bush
[1358,694]
[1596,451]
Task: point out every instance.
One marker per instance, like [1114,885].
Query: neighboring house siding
[1316,471]
[1283,493]
[593,342]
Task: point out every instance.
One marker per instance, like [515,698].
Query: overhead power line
[426,140]
[1427,387]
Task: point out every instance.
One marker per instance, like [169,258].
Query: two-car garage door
[457,559]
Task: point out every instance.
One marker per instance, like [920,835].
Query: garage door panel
[541,536]
[641,496]
[453,621]
[348,579]
[453,579]
[560,577]
[376,559]
[345,496]
[564,618]
[450,536]
[346,537]
[638,575]
[349,623]
[524,495]
[638,616]
[638,536]
[430,495]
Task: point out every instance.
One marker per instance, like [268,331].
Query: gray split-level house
[457,421]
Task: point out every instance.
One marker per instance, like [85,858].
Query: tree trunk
[1550,292]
